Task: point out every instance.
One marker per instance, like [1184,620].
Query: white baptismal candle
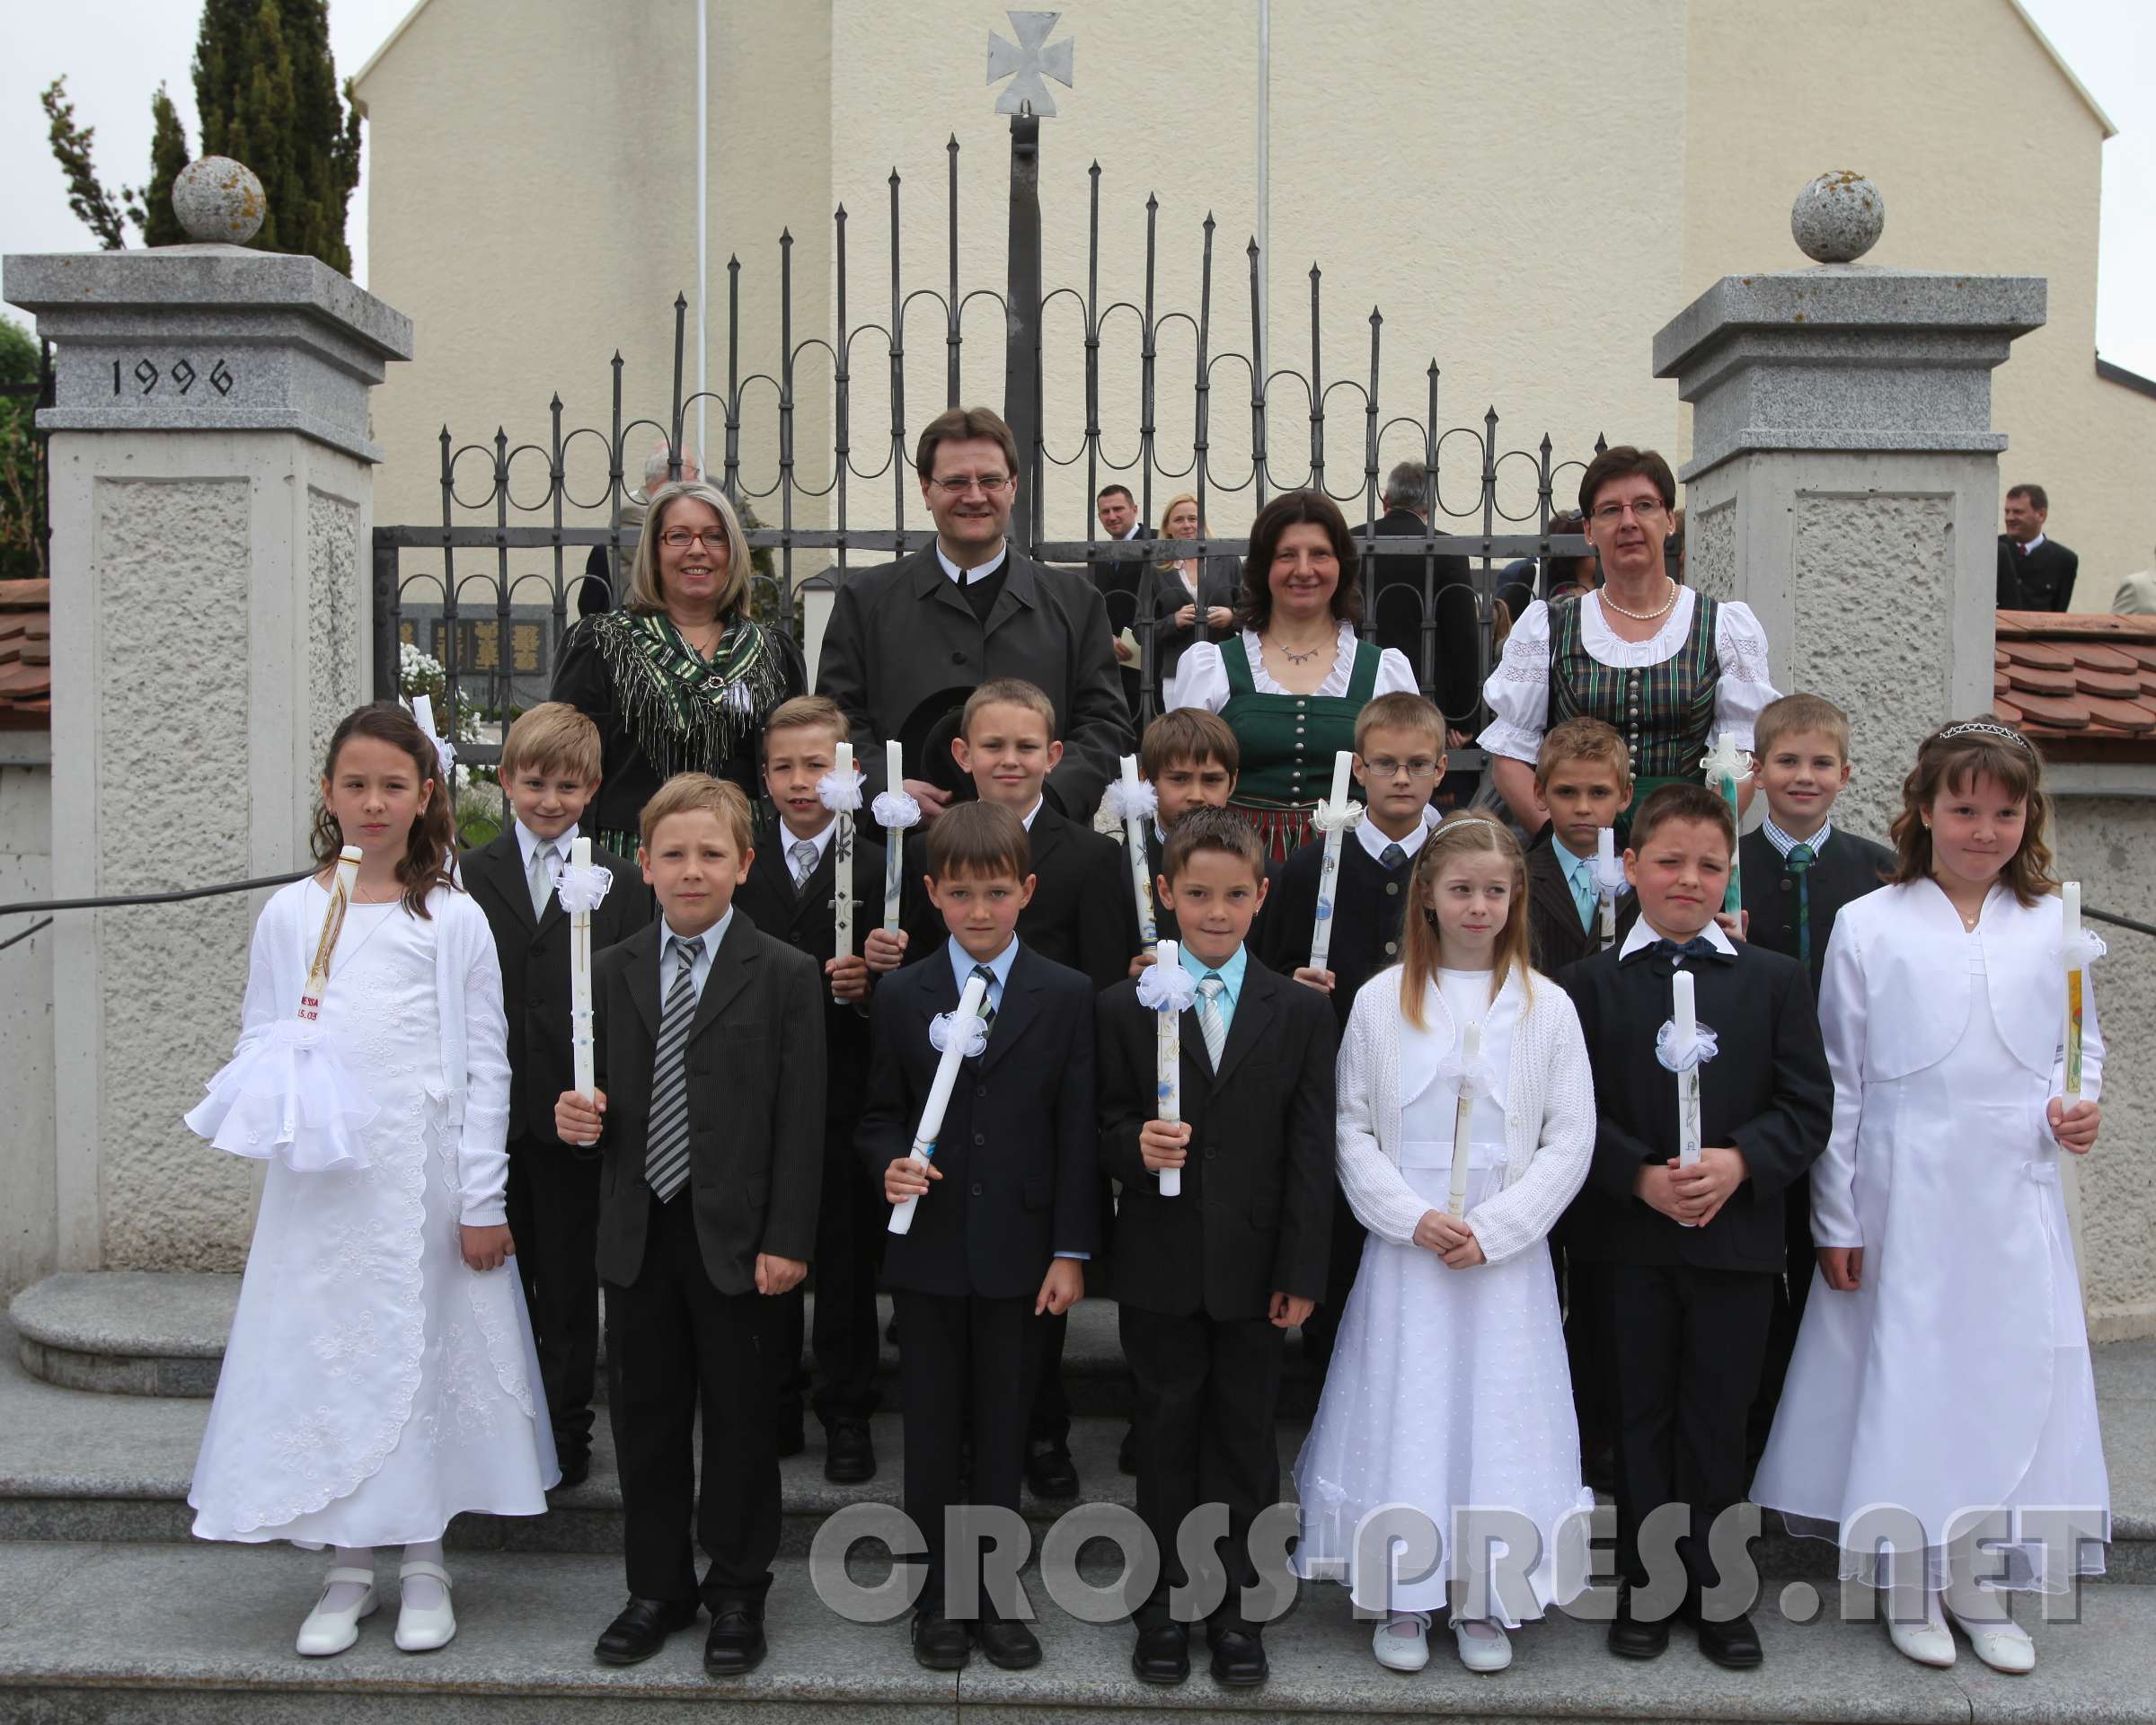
[1470,1055]
[842,863]
[1167,1059]
[1685,1015]
[2070,900]
[1606,872]
[1134,847]
[1329,870]
[893,837]
[939,1093]
[580,981]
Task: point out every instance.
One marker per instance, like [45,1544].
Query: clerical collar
[1782,840]
[980,573]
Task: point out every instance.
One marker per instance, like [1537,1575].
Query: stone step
[191,1634]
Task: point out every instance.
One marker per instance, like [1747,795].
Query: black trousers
[1048,1402]
[850,1226]
[675,1344]
[1688,1348]
[554,1209]
[964,1362]
[1346,1259]
[1204,1392]
[1790,1293]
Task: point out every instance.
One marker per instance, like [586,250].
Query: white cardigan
[468,1002]
[1549,1117]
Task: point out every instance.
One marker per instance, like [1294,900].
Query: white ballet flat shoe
[331,1631]
[2005,1647]
[420,1628]
[1927,1641]
[1490,1653]
[1402,1653]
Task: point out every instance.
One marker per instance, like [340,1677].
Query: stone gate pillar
[212,481]
[1844,475]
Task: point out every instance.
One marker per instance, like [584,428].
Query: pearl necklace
[1643,616]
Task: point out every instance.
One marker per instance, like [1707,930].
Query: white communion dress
[1448,1388]
[1957,1376]
[374,1386]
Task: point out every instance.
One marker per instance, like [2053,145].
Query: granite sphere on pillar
[1838,218]
[218,201]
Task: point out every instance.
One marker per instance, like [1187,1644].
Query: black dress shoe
[1238,1657]
[1630,1638]
[1163,1654]
[849,1452]
[642,1629]
[1126,1454]
[939,1644]
[576,1468]
[792,1441]
[1010,1646]
[1734,1644]
[734,1646]
[1049,1471]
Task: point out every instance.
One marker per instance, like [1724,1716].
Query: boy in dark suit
[1191,760]
[790,897]
[1209,1281]
[1080,915]
[1398,758]
[708,1118]
[1583,781]
[1007,1206]
[1795,872]
[550,772]
[1693,1252]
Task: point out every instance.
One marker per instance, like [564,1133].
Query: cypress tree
[266,91]
[168,154]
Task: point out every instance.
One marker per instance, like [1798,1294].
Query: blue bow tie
[1698,947]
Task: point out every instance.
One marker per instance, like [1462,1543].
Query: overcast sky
[114,53]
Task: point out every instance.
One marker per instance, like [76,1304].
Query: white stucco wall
[27,1191]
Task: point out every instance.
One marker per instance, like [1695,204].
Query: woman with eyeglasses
[1669,668]
[681,677]
[1291,679]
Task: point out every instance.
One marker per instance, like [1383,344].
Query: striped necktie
[667,1157]
[539,879]
[1799,863]
[987,979]
[1211,1025]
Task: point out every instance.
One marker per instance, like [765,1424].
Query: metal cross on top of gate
[1025,61]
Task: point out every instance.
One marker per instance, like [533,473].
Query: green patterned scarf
[688,715]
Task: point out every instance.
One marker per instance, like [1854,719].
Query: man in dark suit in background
[2035,573]
[1117,510]
[1454,676]
[970,608]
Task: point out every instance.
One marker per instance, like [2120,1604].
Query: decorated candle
[841,861]
[1336,819]
[2070,900]
[1134,847]
[1168,1058]
[1683,1014]
[1471,1057]
[939,1093]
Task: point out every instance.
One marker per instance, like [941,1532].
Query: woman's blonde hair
[1167,510]
[645,591]
[1460,835]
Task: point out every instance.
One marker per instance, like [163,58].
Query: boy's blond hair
[1584,739]
[1188,737]
[1400,711]
[805,711]
[1007,692]
[1800,712]
[686,793]
[552,734]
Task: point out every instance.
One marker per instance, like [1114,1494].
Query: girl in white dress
[380,1376]
[1943,1363]
[1449,1387]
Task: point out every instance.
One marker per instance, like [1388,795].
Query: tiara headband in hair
[1981,727]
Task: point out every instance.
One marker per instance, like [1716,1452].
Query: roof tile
[2086,683]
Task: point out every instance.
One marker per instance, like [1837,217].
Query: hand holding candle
[1334,818]
[581,888]
[1728,766]
[1685,1015]
[1609,879]
[841,791]
[957,1042]
[2070,899]
[1471,1063]
[1166,990]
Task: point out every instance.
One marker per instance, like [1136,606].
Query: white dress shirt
[700,972]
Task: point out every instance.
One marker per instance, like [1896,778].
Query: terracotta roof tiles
[2084,685]
[25,655]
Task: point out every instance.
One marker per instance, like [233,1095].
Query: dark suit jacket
[1396,612]
[1017,1151]
[1555,935]
[1161,594]
[2042,581]
[1255,1214]
[1083,915]
[535,968]
[901,633]
[805,919]
[1367,900]
[1767,1092]
[755,1079]
[1848,868]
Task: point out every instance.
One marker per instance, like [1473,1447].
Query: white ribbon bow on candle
[583,889]
[445,752]
[840,795]
[1480,1079]
[940,1029]
[1726,760]
[1167,988]
[1610,880]
[1130,801]
[2085,951]
[1703,1048]
[895,811]
[1343,817]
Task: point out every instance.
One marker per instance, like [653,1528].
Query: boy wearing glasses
[1398,758]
